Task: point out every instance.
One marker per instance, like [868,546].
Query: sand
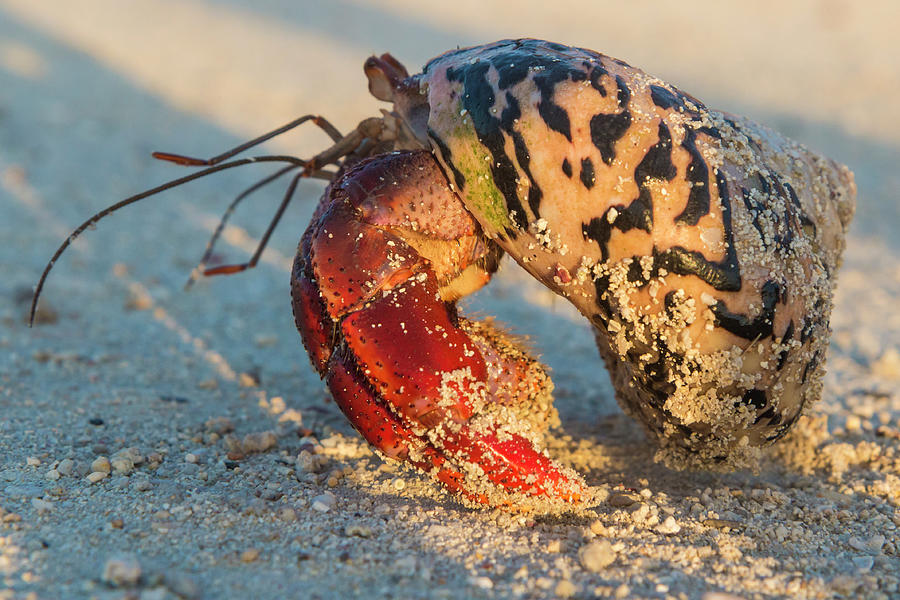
[229,474]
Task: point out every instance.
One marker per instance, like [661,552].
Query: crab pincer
[374,288]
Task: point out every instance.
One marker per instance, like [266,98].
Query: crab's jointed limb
[389,251]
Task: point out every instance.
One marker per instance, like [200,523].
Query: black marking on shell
[587,173]
[567,167]
[553,114]
[810,366]
[778,232]
[740,325]
[607,129]
[458,178]
[681,261]
[724,275]
[637,215]
[664,98]
[667,98]
[596,72]
[657,163]
[514,61]
[507,121]
[478,98]
[809,227]
[697,174]
[788,334]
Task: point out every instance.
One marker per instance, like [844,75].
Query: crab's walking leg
[389,251]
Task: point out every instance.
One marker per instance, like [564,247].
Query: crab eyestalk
[374,289]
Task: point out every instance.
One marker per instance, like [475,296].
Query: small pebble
[249,555]
[863,563]
[117,523]
[33,461]
[248,380]
[668,527]
[554,546]
[781,532]
[324,502]
[271,495]
[598,528]
[66,466]
[122,465]
[52,475]
[101,464]
[565,589]
[621,500]
[875,543]
[258,442]
[358,531]
[191,458]
[485,583]
[597,555]
[287,514]
[544,583]
[856,543]
[309,462]
[142,485]
[122,570]
[97,476]
[623,591]
[722,523]
[138,300]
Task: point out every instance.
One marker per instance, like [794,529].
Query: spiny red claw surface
[373,291]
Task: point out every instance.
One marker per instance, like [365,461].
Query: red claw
[373,290]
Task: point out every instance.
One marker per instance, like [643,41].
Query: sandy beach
[161,444]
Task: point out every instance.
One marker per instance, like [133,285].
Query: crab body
[702,248]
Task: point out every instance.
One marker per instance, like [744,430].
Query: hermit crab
[702,247]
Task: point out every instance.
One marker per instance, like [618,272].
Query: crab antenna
[198,270]
[190,161]
[132,199]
